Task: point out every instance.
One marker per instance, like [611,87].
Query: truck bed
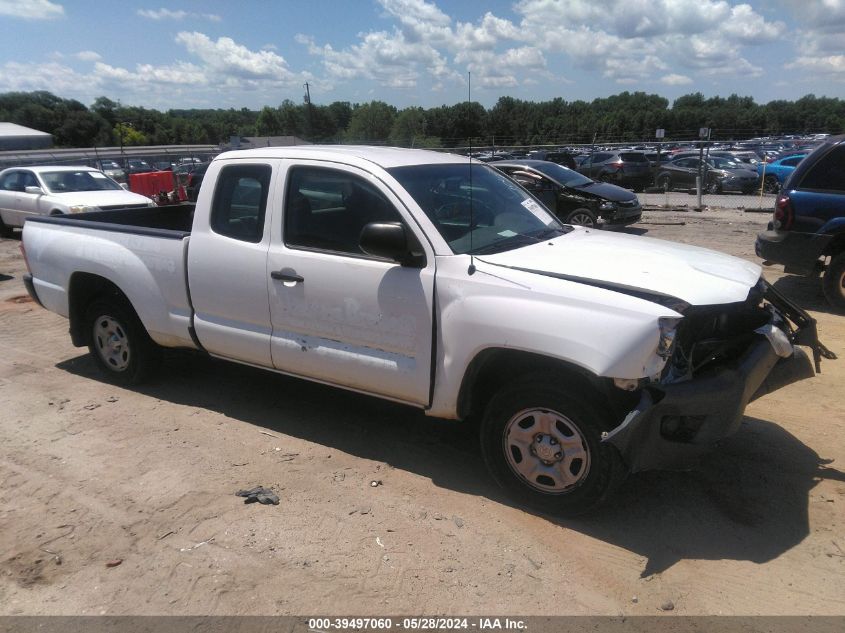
[171,221]
[142,252]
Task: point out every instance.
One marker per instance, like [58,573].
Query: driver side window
[327,209]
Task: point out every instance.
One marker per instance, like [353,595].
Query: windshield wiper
[551,231]
[505,244]
[519,239]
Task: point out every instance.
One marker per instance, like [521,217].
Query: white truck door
[339,315]
[227,263]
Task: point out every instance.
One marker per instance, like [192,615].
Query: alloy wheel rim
[582,219]
[546,450]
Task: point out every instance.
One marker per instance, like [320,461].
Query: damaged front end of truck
[719,358]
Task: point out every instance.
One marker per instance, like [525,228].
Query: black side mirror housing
[390,240]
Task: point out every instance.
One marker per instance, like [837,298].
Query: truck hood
[697,276]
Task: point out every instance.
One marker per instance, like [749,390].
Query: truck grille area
[709,337]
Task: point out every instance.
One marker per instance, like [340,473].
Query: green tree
[371,122]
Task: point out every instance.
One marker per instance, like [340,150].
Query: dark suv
[807,232]
[627,169]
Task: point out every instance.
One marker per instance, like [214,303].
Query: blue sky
[248,53]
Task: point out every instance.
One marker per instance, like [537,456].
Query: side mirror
[33,189]
[390,241]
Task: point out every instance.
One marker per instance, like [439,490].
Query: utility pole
[308,104]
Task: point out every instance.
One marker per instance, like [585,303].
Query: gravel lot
[92,474]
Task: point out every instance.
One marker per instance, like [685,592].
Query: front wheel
[581,217]
[542,444]
[120,345]
[664,181]
[714,186]
[833,283]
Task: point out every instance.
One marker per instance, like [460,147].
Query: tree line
[625,117]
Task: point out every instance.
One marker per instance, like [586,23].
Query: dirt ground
[92,474]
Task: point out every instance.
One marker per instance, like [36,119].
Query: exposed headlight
[81,208]
[607,205]
[666,342]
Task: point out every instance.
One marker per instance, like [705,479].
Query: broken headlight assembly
[668,327]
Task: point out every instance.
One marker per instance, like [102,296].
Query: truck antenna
[471,269]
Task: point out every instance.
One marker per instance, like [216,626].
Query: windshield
[477,209]
[562,175]
[65,181]
[725,163]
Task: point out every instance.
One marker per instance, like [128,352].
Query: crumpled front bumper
[675,423]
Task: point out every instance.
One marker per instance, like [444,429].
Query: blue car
[778,171]
[807,232]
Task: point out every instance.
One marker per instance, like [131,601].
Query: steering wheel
[481,211]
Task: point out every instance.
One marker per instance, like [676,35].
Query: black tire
[771,184]
[509,414]
[833,282]
[118,342]
[664,181]
[5,229]
[581,217]
[714,186]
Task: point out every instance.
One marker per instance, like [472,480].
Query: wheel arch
[83,289]
[492,367]
[836,244]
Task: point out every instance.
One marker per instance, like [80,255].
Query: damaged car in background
[438,282]
[572,197]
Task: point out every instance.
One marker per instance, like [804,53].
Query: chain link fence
[757,203]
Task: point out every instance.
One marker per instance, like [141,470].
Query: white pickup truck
[438,282]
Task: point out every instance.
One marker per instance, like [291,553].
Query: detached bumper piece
[675,423]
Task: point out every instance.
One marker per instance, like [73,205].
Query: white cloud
[162,14]
[181,74]
[674,79]
[88,56]
[824,14]
[168,14]
[748,27]
[232,60]
[52,76]
[636,39]
[31,9]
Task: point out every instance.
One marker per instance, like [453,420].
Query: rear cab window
[240,202]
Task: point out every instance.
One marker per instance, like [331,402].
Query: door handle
[286,275]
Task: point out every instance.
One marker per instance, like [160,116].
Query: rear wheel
[120,345]
[664,181]
[581,217]
[5,229]
[542,443]
[834,282]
